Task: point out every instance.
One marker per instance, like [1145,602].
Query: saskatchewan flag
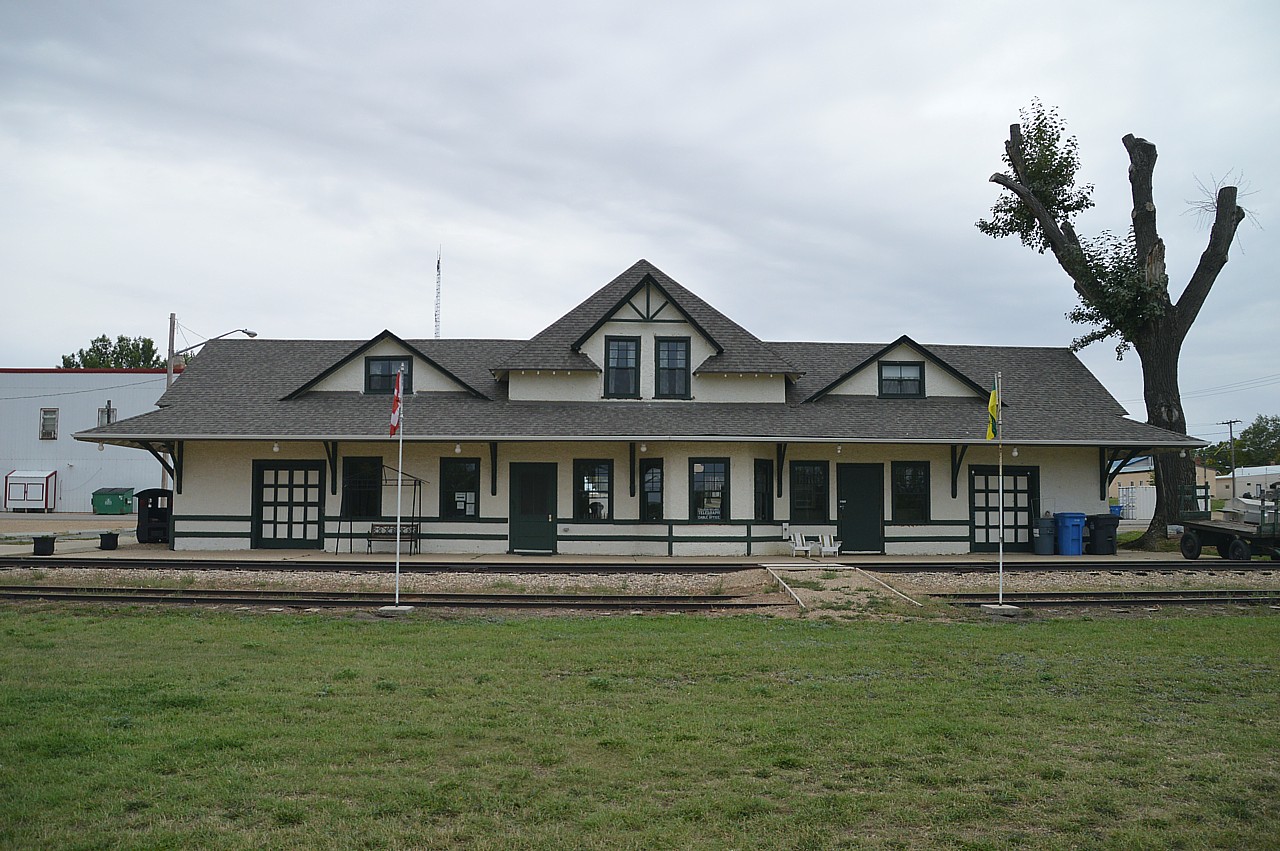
[993,411]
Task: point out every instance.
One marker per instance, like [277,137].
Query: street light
[173,323]
[168,367]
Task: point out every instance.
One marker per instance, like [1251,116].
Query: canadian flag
[395,406]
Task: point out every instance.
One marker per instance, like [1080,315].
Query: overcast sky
[812,169]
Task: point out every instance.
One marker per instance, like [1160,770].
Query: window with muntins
[380,375]
[460,488]
[48,423]
[910,491]
[671,377]
[592,489]
[651,489]
[902,380]
[709,489]
[622,367]
[809,492]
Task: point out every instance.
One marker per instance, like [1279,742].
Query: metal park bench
[410,532]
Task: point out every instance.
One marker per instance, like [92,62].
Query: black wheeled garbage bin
[1102,534]
[1044,536]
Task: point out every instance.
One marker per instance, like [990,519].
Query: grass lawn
[180,728]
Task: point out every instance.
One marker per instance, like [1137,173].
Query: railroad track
[1206,565]
[286,564]
[1117,598]
[374,599]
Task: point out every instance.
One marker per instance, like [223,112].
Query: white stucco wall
[218,479]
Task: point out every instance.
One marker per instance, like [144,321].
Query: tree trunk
[1159,348]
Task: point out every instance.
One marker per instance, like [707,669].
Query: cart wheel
[1223,551]
[1238,550]
[1190,545]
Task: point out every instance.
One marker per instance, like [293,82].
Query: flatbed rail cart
[1236,540]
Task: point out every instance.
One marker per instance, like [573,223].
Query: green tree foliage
[124,353]
[1048,164]
[1256,446]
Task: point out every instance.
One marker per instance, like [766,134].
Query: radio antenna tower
[437,292]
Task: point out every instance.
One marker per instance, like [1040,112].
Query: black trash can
[110,540]
[42,545]
[1044,536]
[1102,534]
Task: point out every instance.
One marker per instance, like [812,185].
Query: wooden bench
[410,532]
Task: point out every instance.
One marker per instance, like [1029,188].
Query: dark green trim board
[179,451]
[331,453]
[213,518]
[179,533]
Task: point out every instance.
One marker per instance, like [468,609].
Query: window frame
[648,465]
[610,370]
[52,415]
[886,394]
[724,515]
[821,510]
[659,370]
[371,390]
[923,492]
[345,508]
[448,508]
[581,498]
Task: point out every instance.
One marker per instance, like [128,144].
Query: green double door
[533,508]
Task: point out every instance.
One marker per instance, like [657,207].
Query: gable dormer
[904,369]
[645,337]
[372,367]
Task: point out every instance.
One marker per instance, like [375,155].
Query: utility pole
[1231,436]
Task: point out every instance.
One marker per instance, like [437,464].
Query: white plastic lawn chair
[800,545]
[828,545]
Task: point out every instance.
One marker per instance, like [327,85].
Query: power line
[1234,387]
[75,392]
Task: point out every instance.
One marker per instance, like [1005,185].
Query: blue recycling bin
[1070,533]
[1117,511]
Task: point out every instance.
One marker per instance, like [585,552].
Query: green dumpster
[113,501]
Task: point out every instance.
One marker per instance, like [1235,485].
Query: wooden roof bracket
[1108,457]
[331,452]
[957,461]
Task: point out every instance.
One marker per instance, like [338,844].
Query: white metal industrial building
[40,409]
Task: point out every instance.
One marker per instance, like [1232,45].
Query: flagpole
[399,486]
[1000,468]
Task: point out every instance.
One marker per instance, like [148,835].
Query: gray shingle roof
[235,389]
[241,389]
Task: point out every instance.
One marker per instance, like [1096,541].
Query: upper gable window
[902,380]
[672,374]
[622,367]
[380,375]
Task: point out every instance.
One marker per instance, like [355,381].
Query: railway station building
[642,422]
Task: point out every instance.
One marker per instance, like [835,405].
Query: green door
[533,508]
[860,507]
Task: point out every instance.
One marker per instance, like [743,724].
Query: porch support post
[957,461]
[493,468]
[631,470]
[178,450]
[331,452]
[781,452]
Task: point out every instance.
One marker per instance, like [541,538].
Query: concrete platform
[78,535]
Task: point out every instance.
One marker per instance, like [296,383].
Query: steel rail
[1111,598]
[365,599]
